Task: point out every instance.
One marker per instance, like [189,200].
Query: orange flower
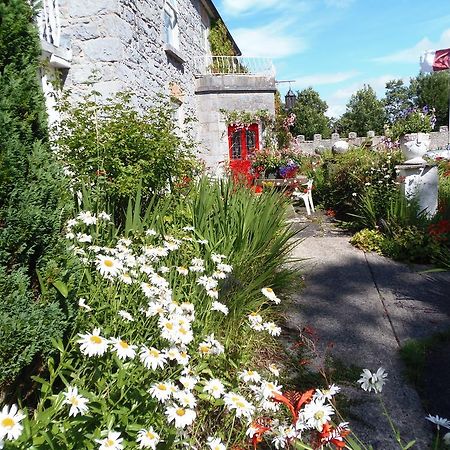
[294,401]
[334,435]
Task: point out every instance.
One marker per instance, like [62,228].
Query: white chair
[305,195]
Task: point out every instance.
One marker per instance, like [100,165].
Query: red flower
[294,401]
[334,435]
[330,212]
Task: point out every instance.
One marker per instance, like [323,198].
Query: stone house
[153,47]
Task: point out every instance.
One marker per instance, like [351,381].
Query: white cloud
[235,7]
[323,78]
[412,54]
[274,40]
[339,3]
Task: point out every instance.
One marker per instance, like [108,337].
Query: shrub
[32,203]
[412,120]
[368,240]
[115,149]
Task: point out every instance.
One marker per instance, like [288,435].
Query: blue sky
[336,46]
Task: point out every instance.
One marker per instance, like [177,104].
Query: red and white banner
[433,61]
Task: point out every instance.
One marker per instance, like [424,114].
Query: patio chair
[305,195]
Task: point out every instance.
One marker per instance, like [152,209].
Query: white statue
[340,147]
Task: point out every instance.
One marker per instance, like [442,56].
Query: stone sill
[174,53]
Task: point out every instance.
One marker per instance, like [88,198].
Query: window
[171,23]
[242,141]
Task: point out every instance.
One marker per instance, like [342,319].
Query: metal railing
[234,65]
[49,22]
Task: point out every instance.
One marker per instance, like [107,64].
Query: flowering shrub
[412,120]
[283,162]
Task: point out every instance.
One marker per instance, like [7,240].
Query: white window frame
[170,23]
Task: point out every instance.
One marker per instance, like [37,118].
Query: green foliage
[219,39]
[310,111]
[367,240]
[432,90]
[364,112]
[115,149]
[32,202]
[411,121]
[342,180]
[398,98]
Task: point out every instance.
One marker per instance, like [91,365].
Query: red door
[242,142]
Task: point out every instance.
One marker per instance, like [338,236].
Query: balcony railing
[49,22]
[234,65]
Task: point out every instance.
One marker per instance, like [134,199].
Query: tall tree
[398,98]
[433,90]
[364,112]
[32,190]
[310,111]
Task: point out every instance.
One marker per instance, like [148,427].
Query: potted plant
[411,129]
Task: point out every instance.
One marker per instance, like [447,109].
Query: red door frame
[241,165]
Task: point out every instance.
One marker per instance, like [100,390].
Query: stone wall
[119,45]
[232,93]
[439,139]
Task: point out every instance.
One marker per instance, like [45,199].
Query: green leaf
[61,287]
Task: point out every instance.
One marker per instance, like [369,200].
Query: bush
[32,203]
[115,149]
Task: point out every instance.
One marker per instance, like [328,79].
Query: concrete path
[368,306]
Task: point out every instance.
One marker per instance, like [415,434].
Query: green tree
[310,111]
[433,90]
[32,187]
[398,98]
[364,112]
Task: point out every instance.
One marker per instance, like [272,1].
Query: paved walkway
[368,306]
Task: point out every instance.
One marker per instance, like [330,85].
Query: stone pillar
[317,137]
[300,138]
[352,135]
[371,134]
[335,136]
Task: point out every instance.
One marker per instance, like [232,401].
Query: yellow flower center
[180,412]
[154,353]
[182,331]
[7,422]
[162,387]
[319,415]
[205,348]
[150,435]
[123,344]
[73,401]
[108,263]
[96,339]
[250,373]
[169,325]
[109,443]
[269,290]
[240,403]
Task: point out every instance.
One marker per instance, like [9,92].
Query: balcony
[234,65]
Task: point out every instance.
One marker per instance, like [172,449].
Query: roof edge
[209,5]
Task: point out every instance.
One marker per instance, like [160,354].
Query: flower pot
[414,146]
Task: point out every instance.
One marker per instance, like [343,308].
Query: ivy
[245,118]
[221,44]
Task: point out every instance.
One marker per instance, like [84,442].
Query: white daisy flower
[87,217]
[250,375]
[268,293]
[326,394]
[185,398]
[123,349]
[181,417]
[154,309]
[218,275]
[373,381]
[151,232]
[126,278]
[183,270]
[82,304]
[239,404]
[162,391]
[213,293]
[152,358]
[112,442]
[105,216]
[78,403]
[71,223]
[256,322]
[148,438]
[10,426]
[214,387]
[316,414]
[83,237]
[207,282]
[439,421]
[215,443]
[163,269]
[126,315]
[108,266]
[224,268]
[188,228]
[272,328]
[268,388]
[274,370]
[188,382]
[70,236]
[218,306]
[92,344]
[217,258]
[183,358]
